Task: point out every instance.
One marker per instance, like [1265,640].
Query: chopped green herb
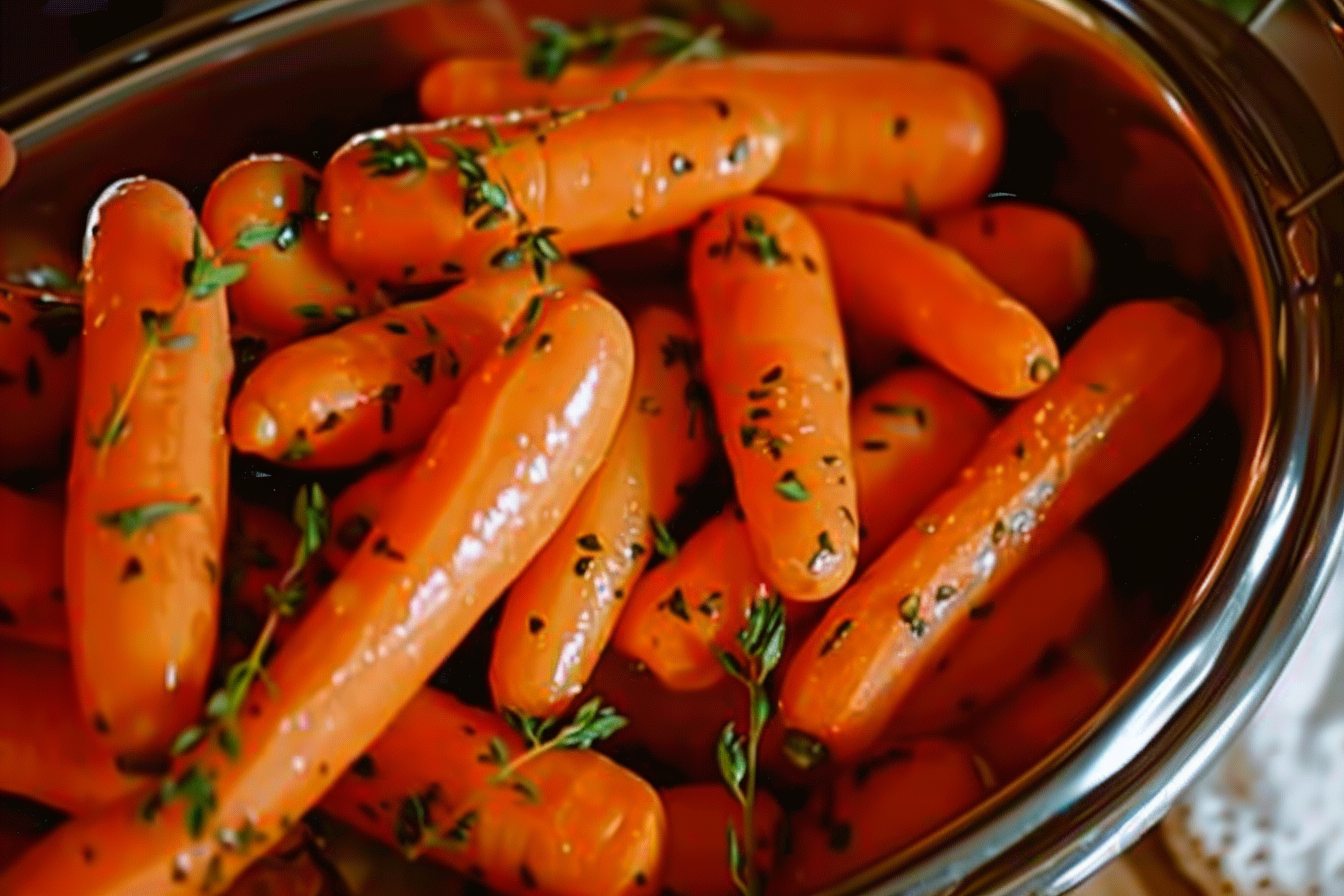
[663,542]
[790,488]
[389,159]
[204,275]
[130,520]
[762,244]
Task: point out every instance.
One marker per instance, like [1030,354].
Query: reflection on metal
[1314,196]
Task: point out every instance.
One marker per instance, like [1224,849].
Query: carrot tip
[804,750]
[254,428]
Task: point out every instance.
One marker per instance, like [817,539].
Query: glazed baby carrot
[892,279]
[560,613]
[260,211]
[356,509]
[1045,604]
[567,822]
[39,376]
[148,481]
[494,482]
[1133,382]
[775,360]
[1037,255]
[1062,693]
[869,129]
[883,804]
[32,581]
[381,383]
[696,860]
[408,203]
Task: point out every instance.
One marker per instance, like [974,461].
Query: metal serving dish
[1173,134]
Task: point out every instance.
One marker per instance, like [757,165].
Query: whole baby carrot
[261,211]
[560,613]
[356,509]
[39,376]
[1134,381]
[408,204]
[1037,255]
[382,383]
[32,581]
[892,279]
[148,484]
[696,861]
[472,512]
[775,360]
[1045,604]
[459,785]
[869,129]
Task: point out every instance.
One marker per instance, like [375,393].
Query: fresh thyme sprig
[762,643]
[557,45]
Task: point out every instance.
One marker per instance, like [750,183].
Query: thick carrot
[261,211]
[698,815]
[382,383]
[1045,604]
[560,613]
[148,481]
[869,129]
[500,472]
[1039,715]
[1134,381]
[39,376]
[408,204]
[356,509]
[1037,255]
[775,361]
[584,826]
[895,281]
[32,581]
[882,805]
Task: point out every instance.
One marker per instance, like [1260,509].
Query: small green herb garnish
[557,44]
[663,543]
[791,488]
[131,520]
[534,247]
[203,274]
[761,243]
[389,159]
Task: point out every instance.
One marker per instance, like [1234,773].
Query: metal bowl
[1173,134]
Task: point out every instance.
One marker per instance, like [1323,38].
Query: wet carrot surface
[32,580]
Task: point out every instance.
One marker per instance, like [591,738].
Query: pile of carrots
[824,620]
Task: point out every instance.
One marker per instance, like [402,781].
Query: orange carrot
[1048,707]
[32,583]
[261,211]
[560,613]
[696,861]
[568,822]
[1047,603]
[149,477]
[8,158]
[382,383]
[1037,255]
[408,204]
[884,804]
[356,509]
[1130,386]
[869,129]
[775,361]
[892,279]
[471,514]
[39,376]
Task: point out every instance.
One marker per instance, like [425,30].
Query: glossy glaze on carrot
[39,376]
[494,482]
[1134,381]
[560,614]
[775,361]
[588,828]
[892,279]
[381,384]
[32,578]
[696,860]
[148,480]
[869,129]
[414,203]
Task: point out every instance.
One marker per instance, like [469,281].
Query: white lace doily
[1268,820]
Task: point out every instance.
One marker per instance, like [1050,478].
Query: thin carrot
[260,211]
[882,805]
[1047,603]
[1051,705]
[1037,255]
[696,860]
[356,509]
[1134,381]
[32,582]
[408,204]
[472,512]
[775,361]
[39,376]
[892,279]
[561,612]
[568,822]
[381,384]
[865,128]
[148,480]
